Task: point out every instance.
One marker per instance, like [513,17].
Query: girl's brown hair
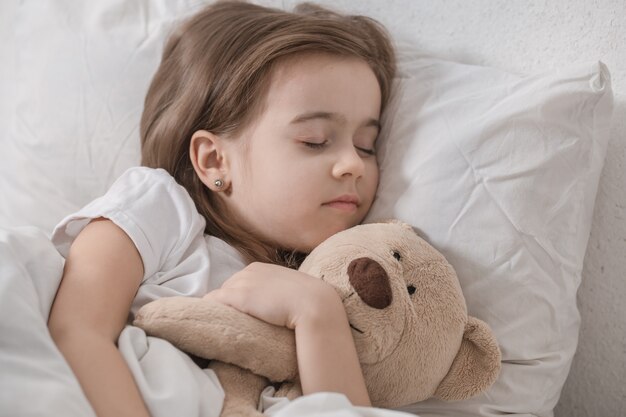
[214,76]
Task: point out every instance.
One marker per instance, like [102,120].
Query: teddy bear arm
[290,389]
[476,365]
[242,390]
[212,330]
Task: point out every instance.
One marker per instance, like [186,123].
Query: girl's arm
[102,274]
[327,358]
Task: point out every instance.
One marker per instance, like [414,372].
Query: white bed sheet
[30,363]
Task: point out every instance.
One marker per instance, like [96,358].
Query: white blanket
[32,367]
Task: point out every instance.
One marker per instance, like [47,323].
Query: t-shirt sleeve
[155,211]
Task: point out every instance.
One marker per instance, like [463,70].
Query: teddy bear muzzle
[371,282]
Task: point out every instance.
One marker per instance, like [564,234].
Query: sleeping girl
[258,142]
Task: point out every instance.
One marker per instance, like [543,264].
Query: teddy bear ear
[476,366]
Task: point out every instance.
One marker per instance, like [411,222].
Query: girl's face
[305,168]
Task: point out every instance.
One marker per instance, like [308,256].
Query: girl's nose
[349,162]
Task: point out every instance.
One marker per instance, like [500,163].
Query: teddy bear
[405,307]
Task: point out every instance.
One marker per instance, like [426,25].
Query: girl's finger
[229,297]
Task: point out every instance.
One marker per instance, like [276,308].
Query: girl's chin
[333,230]
[319,234]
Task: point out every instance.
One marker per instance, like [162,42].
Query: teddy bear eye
[396,255]
[411,289]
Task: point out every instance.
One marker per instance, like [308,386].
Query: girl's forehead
[299,64]
[322,82]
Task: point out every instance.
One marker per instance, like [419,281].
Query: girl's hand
[275,294]
[327,358]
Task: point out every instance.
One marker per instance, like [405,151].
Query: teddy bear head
[407,314]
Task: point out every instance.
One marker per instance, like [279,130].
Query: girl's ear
[209,160]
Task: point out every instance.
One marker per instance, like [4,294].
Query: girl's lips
[342,205]
[346,202]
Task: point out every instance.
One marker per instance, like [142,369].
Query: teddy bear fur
[404,303]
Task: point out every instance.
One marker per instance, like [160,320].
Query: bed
[503,147]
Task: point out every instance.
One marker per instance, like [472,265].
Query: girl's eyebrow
[337,117]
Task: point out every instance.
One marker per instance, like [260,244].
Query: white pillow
[500,173]
[77,88]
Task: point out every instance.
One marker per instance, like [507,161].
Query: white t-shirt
[161,219]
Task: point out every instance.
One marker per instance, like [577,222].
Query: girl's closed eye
[324,144]
[316,145]
[366,151]
[365,144]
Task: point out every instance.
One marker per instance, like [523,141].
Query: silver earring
[218,183]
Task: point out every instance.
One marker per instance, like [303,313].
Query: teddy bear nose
[371,282]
